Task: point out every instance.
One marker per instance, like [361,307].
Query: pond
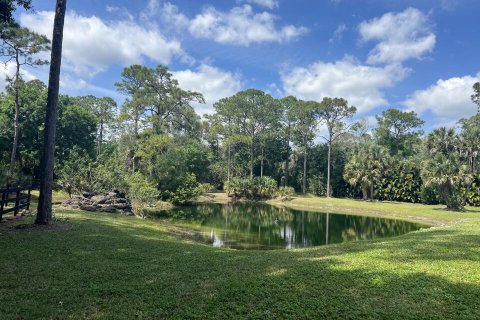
[258,226]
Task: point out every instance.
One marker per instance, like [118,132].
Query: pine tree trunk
[100,138]
[15,117]
[251,160]
[135,123]
[329,191]
[44,211]
[304,180]
[287,173]
[261,163]
[229,165]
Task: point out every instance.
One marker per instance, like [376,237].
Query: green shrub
[285,192]
[77,173]
[401,183]
[256,188]
[188,190]
[472,192]
[141,192]
[316,185]
[429,195]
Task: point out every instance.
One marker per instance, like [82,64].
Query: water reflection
[261,226]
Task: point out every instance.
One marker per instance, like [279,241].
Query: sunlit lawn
[108,266]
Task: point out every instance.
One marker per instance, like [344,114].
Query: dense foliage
[155,147]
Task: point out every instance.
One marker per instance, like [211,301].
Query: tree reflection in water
[261,226]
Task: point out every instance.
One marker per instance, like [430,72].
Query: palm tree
[469,141]
[365,167]
[447,174]
[442,140]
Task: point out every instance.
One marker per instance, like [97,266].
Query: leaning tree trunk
[15,118]
[329,192]
[44,211]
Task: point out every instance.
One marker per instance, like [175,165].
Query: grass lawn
[106,266]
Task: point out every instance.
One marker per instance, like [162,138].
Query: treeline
[156,147]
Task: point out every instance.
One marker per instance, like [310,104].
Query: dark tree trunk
[229,165]
[15,117]
[100,138]
[135,123]
[304,180]
[329,191]
[44,211]
[287,173]
[251,160]
[365,193]
[262,162]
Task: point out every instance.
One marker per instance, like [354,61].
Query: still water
[258,226]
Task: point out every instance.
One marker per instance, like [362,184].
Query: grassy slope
[119,267]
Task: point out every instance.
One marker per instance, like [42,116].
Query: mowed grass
[103,266]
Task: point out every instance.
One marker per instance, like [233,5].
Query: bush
[141,191]
[111,173]
[256,188]
[472,192]
[188,190]
[77,175]
[429,195]
[80,173]
[401,183]
[316,185]
[285,192]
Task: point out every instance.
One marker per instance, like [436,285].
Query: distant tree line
[155,146]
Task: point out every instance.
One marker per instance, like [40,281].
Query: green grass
[110,267]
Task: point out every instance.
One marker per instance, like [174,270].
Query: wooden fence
[18,196]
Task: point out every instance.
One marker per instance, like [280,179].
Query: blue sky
[412,55]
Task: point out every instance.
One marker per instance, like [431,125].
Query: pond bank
[433,215]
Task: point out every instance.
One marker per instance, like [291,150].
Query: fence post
[1,205]
[29,196]
[17,202]
[3,198]
[6,195]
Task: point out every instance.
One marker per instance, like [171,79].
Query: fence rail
[19,196]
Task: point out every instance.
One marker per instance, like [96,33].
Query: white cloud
[270,4]
[241,26]
[150,11]
[446,98]
[361,85]
[91,45]
[401,36]
[120,11]
[212,82]
[172,18]
[338,33]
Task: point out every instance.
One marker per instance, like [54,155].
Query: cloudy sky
[412,55]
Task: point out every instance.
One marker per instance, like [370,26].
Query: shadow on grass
[110,267]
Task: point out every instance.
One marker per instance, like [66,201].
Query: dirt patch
[189,234]
[26,224]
